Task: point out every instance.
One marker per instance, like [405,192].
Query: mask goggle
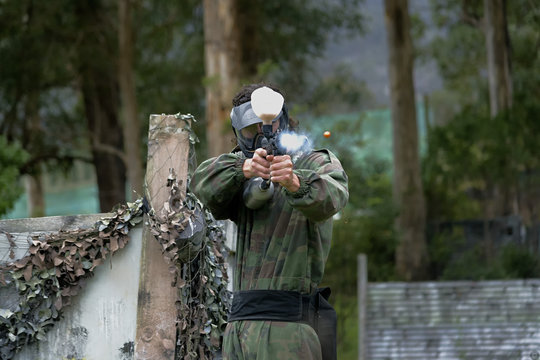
[248,127]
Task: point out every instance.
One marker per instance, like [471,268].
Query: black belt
[276,305]
[292,306]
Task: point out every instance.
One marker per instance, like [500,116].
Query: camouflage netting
[55,269]
[193,243]
[58,264]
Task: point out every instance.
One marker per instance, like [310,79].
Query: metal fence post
[362,296]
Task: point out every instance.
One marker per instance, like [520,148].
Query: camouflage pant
[270,340]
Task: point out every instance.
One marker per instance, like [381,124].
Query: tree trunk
[411,253]
[222,66]
[35,197]
[106,135]
[500,86]
[498,56]
[98,82]
[33,183]
[128,110]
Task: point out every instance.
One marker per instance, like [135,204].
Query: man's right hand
[258,165]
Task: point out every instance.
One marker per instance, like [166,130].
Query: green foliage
[366,223]
[473,158]
[461,59]
[347,329]
[471,265]
[441,249]
[456,161]
[365,226]
[340,92]
[453,260]
[280,41]
[169,61]
[467,159]
[519,263]
[46,46]
[291,35]
[36,84]
[12,157]
[460,50]
[474,153]
[346,133]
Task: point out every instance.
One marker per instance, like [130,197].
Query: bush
[12,157]
[453,260]
[365,226]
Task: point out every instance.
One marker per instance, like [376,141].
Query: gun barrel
[257,192]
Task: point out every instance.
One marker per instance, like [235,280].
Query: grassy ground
[347,337]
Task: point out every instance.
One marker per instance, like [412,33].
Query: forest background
[78,80]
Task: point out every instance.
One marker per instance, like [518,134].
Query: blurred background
[432,107]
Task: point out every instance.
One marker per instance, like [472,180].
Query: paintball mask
[248,127]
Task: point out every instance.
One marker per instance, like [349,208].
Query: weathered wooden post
[362,297]
[168,148]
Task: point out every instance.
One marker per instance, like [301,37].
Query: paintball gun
[266,104]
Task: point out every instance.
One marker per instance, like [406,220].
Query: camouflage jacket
[283,245]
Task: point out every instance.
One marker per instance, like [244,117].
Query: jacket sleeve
[217,181]
[323,186]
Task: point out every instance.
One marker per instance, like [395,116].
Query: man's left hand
[281,171]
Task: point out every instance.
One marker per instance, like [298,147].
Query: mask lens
[250,131]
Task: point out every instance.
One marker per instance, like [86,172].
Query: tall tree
[498,56]
[488,21]
[22,92]
[128,103]
[274,41]
[493,25]
[500,99]
[33,182]
[97,67]
[169,61]
[35,38]
[411,253]
[502,155]
[222,60]
[280,40]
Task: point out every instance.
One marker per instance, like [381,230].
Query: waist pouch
[290,306]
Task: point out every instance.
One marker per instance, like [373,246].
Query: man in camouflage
[281,246]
